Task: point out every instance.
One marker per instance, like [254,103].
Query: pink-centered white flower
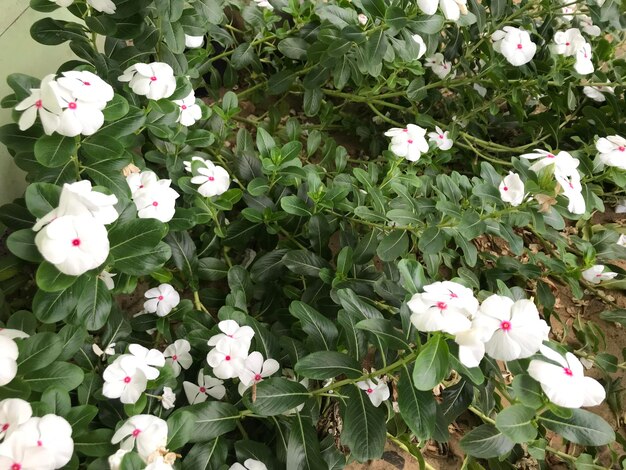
[147,360]
[168,399]
[409,142]
[564,383]
[568,42]
[189,110]
[441,139]
[78,116]
[207,386]
[515,45]
[451,9]
[143,180]
[227,359]
[193,42]
[249,464]
[13,413]
[231,332]
[155,80]
[124,379]
[596,274]
[157,201]
[512,189]
[86,86]
[213,179]
[51,433]
[438,65]
[255,369]
[596,93]
[583,64]
[177,355]
[586,24]
[612,151]
[443,306]
[74,244]
[42,102]
[515,329]
[148,432]
[15,454]
[375,389]
[572,190]
[161,300]
[563,162]
[421,45]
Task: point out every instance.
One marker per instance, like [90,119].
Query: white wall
[20,53]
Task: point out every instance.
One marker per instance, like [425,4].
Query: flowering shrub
[277,234]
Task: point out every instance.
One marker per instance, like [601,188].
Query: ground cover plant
[281,234]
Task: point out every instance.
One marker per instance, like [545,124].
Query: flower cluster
[9,354]
[73,236]
[148,435]
[154,81]
[612,151]
[572,43]
[29,442]
[410,142]
[152,196]
[70,105]
[504,329]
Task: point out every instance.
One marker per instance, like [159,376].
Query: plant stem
[198,304]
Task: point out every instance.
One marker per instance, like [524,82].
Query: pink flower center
[227,358]
[442,305]
[5,427]
[153,78]
[405,130]
[369,390]
[155,204]
[519,46]
[72,105]
[453,295]
[571,185]
[505,188]
[567,43]
[621,148]
[16,466]
[568,371]
[38,104]
[174,357]
[440,136]
[127,380]
[550,155]
[76,242]
[160,297]
[140,186]
[183,107]
[202,389]
[211,178]
[39,444]
[257,378]
[505,325]
[136,432]
[410,141]
[86,83]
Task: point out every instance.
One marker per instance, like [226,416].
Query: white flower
[443,306]
[227,359]
[147,360]
[512,189]
[568,11]
[451,9]
[107,278]
[621,241]
[161,300]
[612,151]
[144,180]
[249,464]
[563,162]
[481,90]
[587,25]
[438,65]
[124,379]
[362,19]
[441,139]
[213,179]
[233,333]
[53,434]
[596,93]
[177,355]
[472,345]
[254,370]
[16,454]
[43,102]
[78,116]
[193,42]
[515,329]
[86,86]
[264,4]
[12,334]
[104,6]
[108,351]
[74,244]
[422,45]
[168,399]
[376,390]
[568,42]
[565,384]
[596,274]
[155,80]
[157,201]
[8,362]
[572,190]
[583,64]
[515,45]
[13,413]
[149,432]
[207,386]
[409,142]
[115,460]
[190,112]
[63,3]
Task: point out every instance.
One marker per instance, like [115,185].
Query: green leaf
[280,82]
[184,255]
[181,427]
[432,241]
[132,461]
[96,443]
[293,48]
[304,262]
[207,456]
[393,246]
[376,8]
[243,56]
[431,365]
[322,365]
[55,150]
[51,307]
[38,351]
[268,266]
[212,269]
[22,245]
[62,374]
[385,331]
[296,206]
[94,304]
[364,429]
[418,408]
[321,332]
[428,24]
[583,427]
[212,419]
[116,109]
[516,422]
[275,396]
[486,442]
[374,52]
[101,147]
[264,142]
[303,450]
[528,391]
[56,401]
[42,198]
[50,279]
[616,316]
